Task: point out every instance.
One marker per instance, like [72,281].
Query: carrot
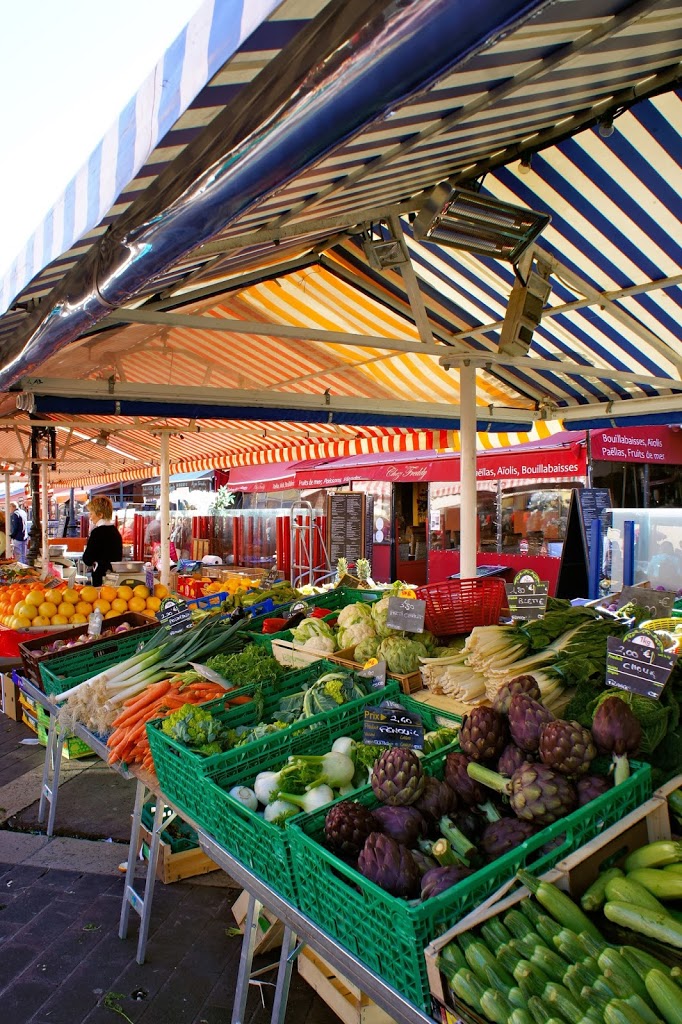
[150,694]
[240,700]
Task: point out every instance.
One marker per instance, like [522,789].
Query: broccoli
[335,689]
[194,727]
[209,748]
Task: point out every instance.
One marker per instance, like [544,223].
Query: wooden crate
[646,824]
[409,682]
[173,867]
[342,996]
[270,929]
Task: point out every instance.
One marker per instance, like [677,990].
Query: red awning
[277,476]
[638,444]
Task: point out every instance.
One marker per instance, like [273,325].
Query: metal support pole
[467,428]
[44,515]
[49,789]
[8,516]
[290,951]
[628,553]
[165,511]
[241,991]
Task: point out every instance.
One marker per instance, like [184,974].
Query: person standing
[105,544]
[18,532]
[3,535]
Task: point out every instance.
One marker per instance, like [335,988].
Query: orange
[141,591]
[112,614]
[40,620]
[65,609]
[137,604]
[125,593]
[153,604]
[83,607]
[70,596]
[35,597]
[119,605]
[47,609]
[89,594]
[108,593]
[103,606]
[77,617]
[59,620]
[160,590]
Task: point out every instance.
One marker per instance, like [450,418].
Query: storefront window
[444,518]
[534,520]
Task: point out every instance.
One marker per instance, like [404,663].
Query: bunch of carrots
[128,741]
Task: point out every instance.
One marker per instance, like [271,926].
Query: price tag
[527,595]
[658,603]
[639,663]
[390,725]
[406,613]
[269,579]
[149,579]
[175,614]
[375,671]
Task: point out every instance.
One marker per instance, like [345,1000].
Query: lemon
[119,605]
[27,611]
[83,607]
[70,596]
[35,597]
[137,604]
[22,622]
[103,606]
[47,609]
[59,620]
[77,617]
[65,609]
[112,614]
[89,594]
[40,620]
[141,591]
[124,592]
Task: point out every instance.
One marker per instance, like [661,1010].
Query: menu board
[346,526]
[593,502]
[587,505]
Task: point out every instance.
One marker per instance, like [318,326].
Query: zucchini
[468,988]
[612,987]
[566,1004]
[547,928]
[494,933]
[673,869]
[518,925]
[663,851]
[550,962]
[495,1007]
[558,904]
[540,1012]
[524,948]
[580,976]
[592,946]
[666,995]
[612,963]
[517,997]
[531,979]
[531,910]
[642,962]
[647,922]
[452,957]
[520,1016]
[594,897]
[508,957]
[620,1012]
[642,1007]
[478,957]
[499,979]
[628,890]
[663,884]
[570,946]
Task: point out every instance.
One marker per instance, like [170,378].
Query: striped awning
[254,211]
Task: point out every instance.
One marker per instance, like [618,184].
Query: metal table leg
[290,951]
[49,789]
[245,960]
[146,910]
[130,897]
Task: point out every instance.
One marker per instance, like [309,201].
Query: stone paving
[61,961]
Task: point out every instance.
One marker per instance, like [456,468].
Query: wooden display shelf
[341,996]
[173,867]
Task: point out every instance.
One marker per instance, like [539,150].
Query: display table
[299,930]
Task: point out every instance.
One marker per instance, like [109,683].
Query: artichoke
[404,824]
[519,684]
[390,865]
[400,654]
[501,836]
[347,826]
[459,780]
[437,799]
[536,793]
[366,649]
[423,862]
[590,787]
[511,758]
[567,747]
[483,734]
[437,880]
[470,823]
[398,777]
[526,720]
[616,730]
[379,611]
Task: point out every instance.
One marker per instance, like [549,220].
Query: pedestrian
[18,532]
[3,535]
[105,544]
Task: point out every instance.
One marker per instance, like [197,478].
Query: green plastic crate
[263,847]
[181,771]
[60,674]
[334,600]
[387,933]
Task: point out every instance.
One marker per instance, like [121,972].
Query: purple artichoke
[437,799]
[437,880]
[519,684]
[404,824]
[536,793]
[467,790]
[567,747]
[616,731]
[483,734]
[504,835]
[423,862]
[390,865]
[526,719]
[470,823]
[398,777]
[590,787]
[347,826]
[511,758]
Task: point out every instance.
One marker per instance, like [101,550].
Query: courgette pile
[546,962]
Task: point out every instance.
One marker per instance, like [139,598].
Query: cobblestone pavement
[61,961]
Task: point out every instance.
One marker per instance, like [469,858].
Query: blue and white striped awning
[368,107]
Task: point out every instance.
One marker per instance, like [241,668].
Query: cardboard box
[10,698]
[270,929]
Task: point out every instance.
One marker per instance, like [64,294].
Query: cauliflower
[315,630]
[357,612]
[355,633]
[195,727]
[379,616]
[322,644]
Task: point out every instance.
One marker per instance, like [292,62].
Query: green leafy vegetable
[252,665]
[195,727]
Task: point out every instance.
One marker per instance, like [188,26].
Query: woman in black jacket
[105,544]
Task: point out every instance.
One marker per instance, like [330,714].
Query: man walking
[18,532]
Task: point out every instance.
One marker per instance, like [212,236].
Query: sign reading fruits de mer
[639,663]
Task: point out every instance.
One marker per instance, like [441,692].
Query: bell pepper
[274,625]
[319,613]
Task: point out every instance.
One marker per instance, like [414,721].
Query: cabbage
[355,633]
[428,639]
[400,654]
[379,612]
[367,649]
[358,612]
[314,628]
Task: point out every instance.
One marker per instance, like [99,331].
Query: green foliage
[194,727]
[252,665]
[325,694]
[540,633]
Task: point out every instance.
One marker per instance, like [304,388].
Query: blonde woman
[105,544]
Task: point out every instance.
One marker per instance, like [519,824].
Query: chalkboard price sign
[658,603]
[346,525]
[639,663]
[392,726]
[375,673]
[406,613]
[527,595]
[175,614]
[269,579]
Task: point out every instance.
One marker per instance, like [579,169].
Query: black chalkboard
[389,726]
[638,663]
[175,614]
[587,504]
[659,603]
[527,595]
[593,502]
[346,524]
[406,613]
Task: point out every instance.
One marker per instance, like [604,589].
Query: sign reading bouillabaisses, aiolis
[638,444]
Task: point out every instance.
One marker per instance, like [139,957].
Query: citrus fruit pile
[32,605]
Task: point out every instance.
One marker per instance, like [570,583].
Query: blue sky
[67,69]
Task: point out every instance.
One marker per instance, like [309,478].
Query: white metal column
[165,511]
[467,428]
[8,515]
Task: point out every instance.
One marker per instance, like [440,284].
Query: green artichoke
[366,649]
[398,777]
[379,615]
[400,654]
